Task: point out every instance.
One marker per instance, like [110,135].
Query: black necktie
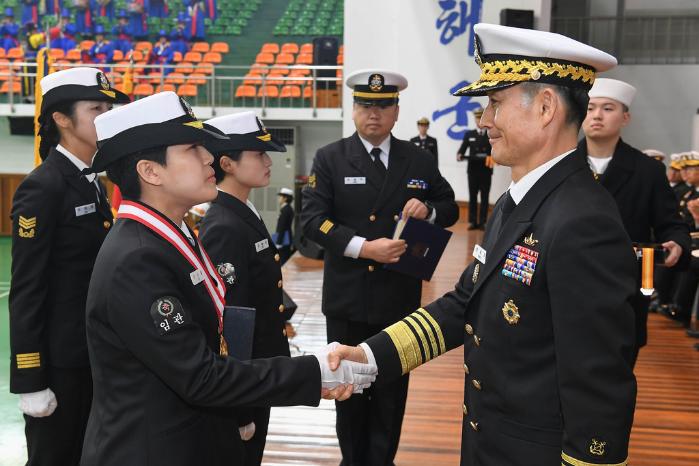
[508,205]
[378,164]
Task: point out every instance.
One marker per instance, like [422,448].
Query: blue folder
[238,330]
[426,244]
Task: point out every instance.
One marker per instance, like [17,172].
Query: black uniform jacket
[161,391]
[547,357]
[345,197]
[680,189]
[284,234]
[58,226]
[685,214]
[429,144]
[232,234]
[473,147]
[646,202]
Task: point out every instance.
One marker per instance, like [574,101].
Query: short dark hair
[575,100]
[123,172]
[218,171]
[49,132]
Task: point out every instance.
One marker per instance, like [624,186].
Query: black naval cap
[159,120]
[376,87]
[75,84]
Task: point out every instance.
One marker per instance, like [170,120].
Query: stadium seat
[270,47]
[265,58]
[194,57]
[74,55]
[15,53]
[308,92]
[252,79]
[175,78]
[117,56]
[115,78]
[340,59]
[245,91]
[304,59]
[259,68]
[290,92]
[285,59]
[268,91]
[165,88]
[142,90]
[15,86]
[220,47]
[273,79]
[212,57]
[185,68]
[177,57]
[2,52]
[135,54]
[201,47]
[282,71]
[62,64]
[143,46]
[290,47]
[306,48]
[155,78]
[86,44]
[187,90]
[204,68]
[296,72]
[56,54]
[196,79]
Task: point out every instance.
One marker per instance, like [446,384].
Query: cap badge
[103,81]
[376,82]
[187,108]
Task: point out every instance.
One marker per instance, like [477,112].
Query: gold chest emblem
[511,312]
[530,241]
[597,447]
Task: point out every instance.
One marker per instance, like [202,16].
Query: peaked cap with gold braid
[509,56]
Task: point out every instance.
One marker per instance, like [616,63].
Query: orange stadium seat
[306,48]
[144,46]
[201,47]
[259,68]
[118,55]
[185,67]
[252,79]
[270,47]
[142,90]
[265,58]
[299,72]
[268,91]
[196,79]
[283,71]
[194,57]
[57,54]
[87,44]
[340,59]
[273,79]
[245,91]
[285,59]
[116,78]
[155,77]
[341,49]
[290,92]
[212,57]
[204,68]
[187,90]
[2,52]
[15,86]
[304,59]
[15,53]
[175,78]
[290,47]
[75,55]
[177,57]
[308,92]
[61,64]
[220,47]
[165,88]
[137,56]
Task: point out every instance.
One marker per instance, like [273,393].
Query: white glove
[38,404]
[247,431]
[349,373]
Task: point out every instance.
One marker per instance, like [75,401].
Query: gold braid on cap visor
[494,72]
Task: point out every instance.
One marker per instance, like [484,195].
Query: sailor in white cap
[358,188]
[243,252]
[638,183]
[284,235]
[674,175]
[543,310]
[59,220]
[162,377]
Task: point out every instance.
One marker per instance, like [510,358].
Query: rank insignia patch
[27,227]
[520,264]
[227,272]
[167,314]
[326,226]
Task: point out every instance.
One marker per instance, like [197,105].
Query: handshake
[345,370]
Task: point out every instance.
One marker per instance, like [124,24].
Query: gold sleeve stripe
[406,344]
[28,360]
[570,461]
[28,365]
[326,226]
[417,330]
[430,334]
[437,329]
[27,223]
[27,356]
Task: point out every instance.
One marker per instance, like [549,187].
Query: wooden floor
[665,432]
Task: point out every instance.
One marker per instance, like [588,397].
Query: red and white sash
[158,224]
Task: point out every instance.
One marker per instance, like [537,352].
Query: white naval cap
[159,120]
[376,86]
[676,161]
[613,89]
[509,55]
[245,132]
[654,153]
[286,191]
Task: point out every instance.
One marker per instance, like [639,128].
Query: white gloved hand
[247,431]
[38,404]
[359,375]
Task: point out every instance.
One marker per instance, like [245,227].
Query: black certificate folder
[238,330]
[426,244]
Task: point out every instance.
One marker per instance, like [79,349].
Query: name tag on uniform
[197,277]
[261,245]
[479,253]
[355,180]
[471,139]
[85,209]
